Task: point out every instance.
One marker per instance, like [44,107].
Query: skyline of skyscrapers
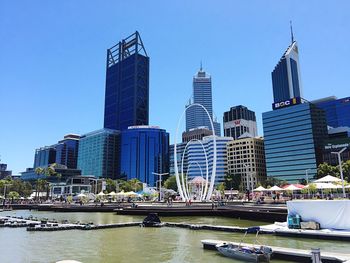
[127,84]
[201,94]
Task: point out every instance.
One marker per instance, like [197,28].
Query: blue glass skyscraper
[202,94]
[127,84]
[337,111]
[144,151]
[99,153]
[294,139]
[286,81]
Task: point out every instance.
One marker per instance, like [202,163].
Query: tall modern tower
[127,84]
[202,93]
[286,81]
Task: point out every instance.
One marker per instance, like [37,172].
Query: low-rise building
[246,158]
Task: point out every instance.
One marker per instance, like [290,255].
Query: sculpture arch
[213,174]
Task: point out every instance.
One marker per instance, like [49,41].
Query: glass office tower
[286,81]
[337,111]
[293,141]
[99,153]
[67,151]
[144,151]
[202,94]
[127,84]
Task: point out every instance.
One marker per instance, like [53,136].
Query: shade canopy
[101,194]
[324,186]
[291,187]
[121,193]
[275,188]
[259,189]
[81,195]
[328,179]
[112,193]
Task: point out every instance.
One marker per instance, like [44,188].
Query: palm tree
[38,171]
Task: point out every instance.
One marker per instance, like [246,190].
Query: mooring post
[316,255]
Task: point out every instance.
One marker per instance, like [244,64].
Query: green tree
[124,185]
[271,181]
[135,184]
[13,195]
[110,185]
[326,169]
[233,181]
[170,183]
[346,170]
[221,188]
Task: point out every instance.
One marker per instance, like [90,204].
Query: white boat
[246,253]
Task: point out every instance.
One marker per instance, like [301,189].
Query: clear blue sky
[52,59]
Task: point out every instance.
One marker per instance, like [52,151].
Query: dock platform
[295,255]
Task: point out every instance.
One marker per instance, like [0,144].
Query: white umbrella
[120,193]
[259,189]
[292,187]
[275,188]
[328,179]
[101,194]
[131,193]
[81,195]
[112,193]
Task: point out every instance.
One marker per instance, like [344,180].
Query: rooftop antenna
[201,69]
[291,31]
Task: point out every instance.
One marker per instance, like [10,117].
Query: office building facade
[144,151]
[180,150]
[44,156]
[196,134]
[239,120]
[246,159]
[65,152]
[127,84]
[99,153]
[294,139]
[337,111]
[202,94]
[286,81]
[196,164]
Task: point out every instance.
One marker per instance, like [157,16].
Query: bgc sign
[286,103]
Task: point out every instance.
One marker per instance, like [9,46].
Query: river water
[132,244]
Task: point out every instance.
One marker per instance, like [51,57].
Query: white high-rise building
[202,94]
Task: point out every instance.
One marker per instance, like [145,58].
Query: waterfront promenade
[244,210]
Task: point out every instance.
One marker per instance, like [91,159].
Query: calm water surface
[132,244]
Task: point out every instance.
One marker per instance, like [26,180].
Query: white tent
[328,179]
[101,194]
[112,193]
[275,188]
[259,189]
[291,187]
[121,193]
[81,195]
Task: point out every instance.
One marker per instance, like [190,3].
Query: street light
[246,169]
[341,169]
[160,183]
[307,181]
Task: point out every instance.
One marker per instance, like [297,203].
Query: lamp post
[160,183]
[248,177]
[341,169]
[307,182]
